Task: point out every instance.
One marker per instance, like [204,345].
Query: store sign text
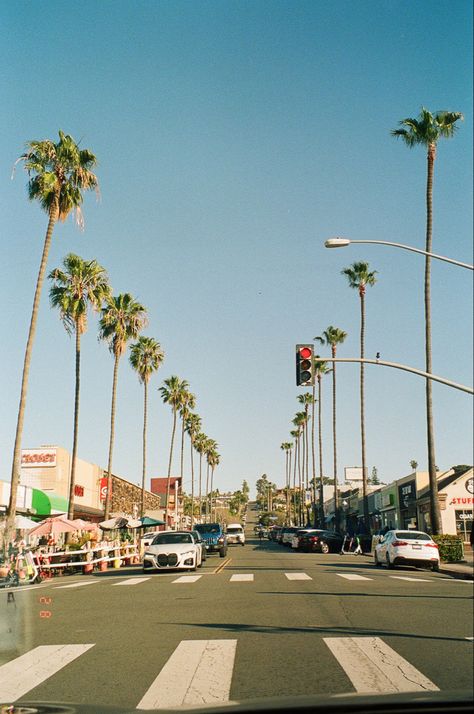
[468,501]
[78,490]
[38,458]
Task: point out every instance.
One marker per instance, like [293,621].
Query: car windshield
[237,297]
[172,538]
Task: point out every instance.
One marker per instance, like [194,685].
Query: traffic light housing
[304,365]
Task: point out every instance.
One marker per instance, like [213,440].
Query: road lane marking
[198,672]
[242,578]
[221,566]
[298,576]
[132,581]
[406,577]
[353,576]
[375,668]
[187,579]
[26,672]
[75,585]
[471,639]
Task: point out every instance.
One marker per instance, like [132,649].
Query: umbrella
[148,522]
[120,522]
[53,526]
[84,525]
[23,523]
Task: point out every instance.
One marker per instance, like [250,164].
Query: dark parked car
[319,541]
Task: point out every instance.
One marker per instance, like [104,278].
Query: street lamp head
[336,243]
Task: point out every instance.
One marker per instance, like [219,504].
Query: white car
[172,550]
[147,538]
[400,547]
[235,534]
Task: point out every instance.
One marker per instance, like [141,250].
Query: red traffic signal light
[304,365]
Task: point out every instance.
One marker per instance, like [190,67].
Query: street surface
[264,622]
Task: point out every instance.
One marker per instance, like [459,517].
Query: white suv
[235,534]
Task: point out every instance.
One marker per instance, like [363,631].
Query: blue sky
[233,138]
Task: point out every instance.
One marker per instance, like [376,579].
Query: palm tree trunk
[16,464]
[290,457]
[145,411]
[200,486]
[320,441]
[362,410]
[313,458]
[168,482]
[207,493]
[192,483]
[300,504]
[294,480]
[337,518]
[434,502]
[108,497]
[72,481]
[212,487]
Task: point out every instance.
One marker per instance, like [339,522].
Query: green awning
[47,504]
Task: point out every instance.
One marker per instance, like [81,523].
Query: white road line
[242,578]
[187,579]
[406,577]
[198,672]
[298,576]
[374,667]
[471,639]
[75,585]
[132,581]
[26,672]
[353,576]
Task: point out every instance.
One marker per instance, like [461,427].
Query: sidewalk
[464,569]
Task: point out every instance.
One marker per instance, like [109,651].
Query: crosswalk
[247,578]
[202,671]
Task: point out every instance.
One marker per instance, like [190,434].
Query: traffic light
[304,365]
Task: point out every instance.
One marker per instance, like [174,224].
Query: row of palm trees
[359,276]
[59,173]
[426,130]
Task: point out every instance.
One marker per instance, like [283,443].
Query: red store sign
[78,490]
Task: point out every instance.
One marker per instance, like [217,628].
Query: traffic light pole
[404,367]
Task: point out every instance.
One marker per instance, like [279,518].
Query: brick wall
[125,495]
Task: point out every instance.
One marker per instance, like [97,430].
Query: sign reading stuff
[38,457]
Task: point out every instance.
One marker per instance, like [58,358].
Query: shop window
[464,524]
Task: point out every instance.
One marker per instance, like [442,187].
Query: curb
[468,575]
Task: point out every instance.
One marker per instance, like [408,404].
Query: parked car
[321,541]
[274,533]
[235,534]
[172,550]
[147,538]
[287,534]
[398,547]
[295,540]
[214,538]
[198,539]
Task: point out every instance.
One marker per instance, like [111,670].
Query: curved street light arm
[418,250]
[403,367]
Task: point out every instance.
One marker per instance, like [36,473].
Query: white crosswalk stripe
[352,576]
[242,578]
[132,581]
[298,576]
[198,672]
[26,672]
[406,577]
[75,585]
[187,579]
[374,667]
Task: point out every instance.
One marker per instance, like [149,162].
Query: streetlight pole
[344,242]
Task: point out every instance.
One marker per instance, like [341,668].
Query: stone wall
[125,495]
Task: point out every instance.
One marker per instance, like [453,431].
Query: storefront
[456,503]
[388,507]
[407,501]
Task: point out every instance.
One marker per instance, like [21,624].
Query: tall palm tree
[359,277]
[427,130]
[188,403]
[333,337]
[299,422]
[306,399]
[82,284]
[200,445]
[59,173]
[286,446]
[193,426]
[295,433]
[320,369]
[172,392]
[214,460]
[146,356]
[209,449]
[122,320]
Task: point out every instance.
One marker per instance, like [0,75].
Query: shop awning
[48,503]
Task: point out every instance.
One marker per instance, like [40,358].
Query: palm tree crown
[80,284]
[121,321]
[146,356]
[60,172]
[359,276]
[332,336]
[428,128]
[172,391]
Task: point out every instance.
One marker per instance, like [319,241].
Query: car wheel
[223,552]
[390,565]
[377,562]
[324,548]
[435,567]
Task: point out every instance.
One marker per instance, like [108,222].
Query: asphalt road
[291,624]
